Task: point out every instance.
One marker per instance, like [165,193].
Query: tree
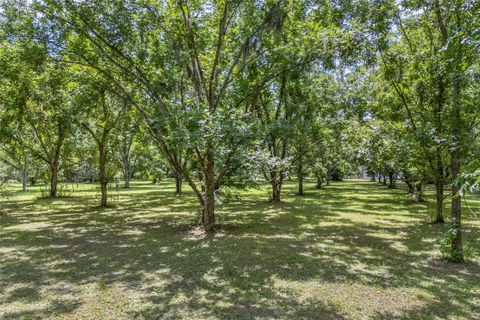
[426,59]
[209,51]
[128,159]
[38,109]
[100,112]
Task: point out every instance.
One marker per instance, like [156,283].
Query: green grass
[354,250]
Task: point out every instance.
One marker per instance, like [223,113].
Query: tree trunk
[410,186]
[276,191]
[178,183]
[126,177]
[300,177]
[102,176]
[456,209]
[319,183]
[208,215]
[24,178]
[418,196]
[391,181]
[384,180]
[439,187]
[53,178]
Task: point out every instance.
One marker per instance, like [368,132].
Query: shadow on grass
[269,261]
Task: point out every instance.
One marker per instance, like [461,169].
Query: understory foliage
[446,245]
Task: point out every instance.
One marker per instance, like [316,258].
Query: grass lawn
[353,250]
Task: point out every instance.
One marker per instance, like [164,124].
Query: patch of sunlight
[133,232]
[6,250]
[101,301]
[399,246]
[31,226]
[355,300]
[273,236]
[365,271]
[158,209]
[334,223]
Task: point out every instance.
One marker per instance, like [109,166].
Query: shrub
[445,245]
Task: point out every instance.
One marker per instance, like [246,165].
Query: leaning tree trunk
[102,175]
[419,192]
[208,214]
[53,178]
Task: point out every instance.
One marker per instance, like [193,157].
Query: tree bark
[391,181]
[319,183]
[276,191]
[125,151]
[208,215]
[439,188]
[126,177]
[102,175]
[456,206]
[178,182]
[53,178]
[24,178]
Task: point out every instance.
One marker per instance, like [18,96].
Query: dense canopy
[228,96]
